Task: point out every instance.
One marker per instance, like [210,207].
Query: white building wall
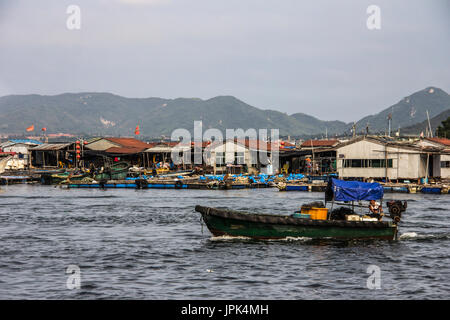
[436,166]
[445,172]
[18,148]
[15,163]
[406,163]
[229,148]
[437,170]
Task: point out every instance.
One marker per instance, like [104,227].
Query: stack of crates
[315,213]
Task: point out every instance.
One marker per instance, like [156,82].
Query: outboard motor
[396,208]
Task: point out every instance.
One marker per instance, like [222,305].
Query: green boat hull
[112,176]
[50,179]
[223,222]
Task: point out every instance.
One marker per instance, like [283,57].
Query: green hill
[408,111]
[422,126]
[109,114]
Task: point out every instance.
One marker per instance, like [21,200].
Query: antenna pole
[429,125]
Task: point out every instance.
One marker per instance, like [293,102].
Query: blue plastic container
[302,215]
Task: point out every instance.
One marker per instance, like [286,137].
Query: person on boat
[376,210]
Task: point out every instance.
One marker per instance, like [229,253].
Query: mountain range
[423,126]
[109,114]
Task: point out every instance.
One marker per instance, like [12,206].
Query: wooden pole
[312,163]
[385,164]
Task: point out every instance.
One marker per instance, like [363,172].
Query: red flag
[31,128]
[44,129]
[136,131]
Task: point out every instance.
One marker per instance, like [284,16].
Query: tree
[444,129]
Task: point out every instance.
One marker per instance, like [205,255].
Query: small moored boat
[234,223]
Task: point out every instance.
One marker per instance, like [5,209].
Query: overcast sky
[316,57]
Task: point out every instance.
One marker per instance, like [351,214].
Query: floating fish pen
[311,187]
[387,188]
[108,185]
[179,184]
[294,187]
[8,180]
[432,190]
[398,189]
[145,184]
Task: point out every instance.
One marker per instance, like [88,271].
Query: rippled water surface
[150,244]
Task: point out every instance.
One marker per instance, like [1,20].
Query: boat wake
[408,235]
[293,239]
[416,236]
[234,238]
[229,238]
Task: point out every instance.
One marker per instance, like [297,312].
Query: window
[445,164]
[367,163]
[377,163]
[220,159]
[239,158]
[356,163]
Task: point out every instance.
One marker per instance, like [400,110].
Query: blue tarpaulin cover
[355,190]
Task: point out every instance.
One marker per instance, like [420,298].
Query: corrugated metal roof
[26,141]
[129,142]
[124,150]
[51,146]
[167,147]
[19,141]
[443,141]
[319,143]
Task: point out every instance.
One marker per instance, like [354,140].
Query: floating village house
[53,155]
[102,150]
[314,156]
[161,153]
[244,155]
[444,145]
[385,159]
[19,153]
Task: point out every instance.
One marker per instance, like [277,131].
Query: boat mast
[429,126]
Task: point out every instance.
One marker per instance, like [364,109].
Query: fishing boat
[61,178]
[314,222]
[4,162]
[117,171]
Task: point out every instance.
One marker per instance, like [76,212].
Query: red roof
[264,145]
[127,145]
[285,144]
[129,142]
[253,144]
[125,150]
[319,143]
[443,141]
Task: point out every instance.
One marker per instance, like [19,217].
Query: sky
[316,57]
